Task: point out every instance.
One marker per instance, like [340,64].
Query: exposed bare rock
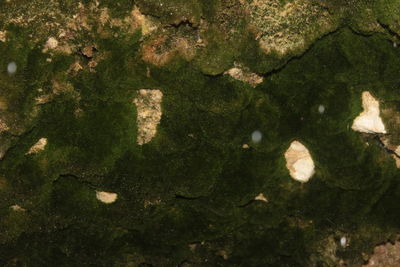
[243,74]
[284,27]
[387,255]
[3,36]
[162,49]
[261,197]
[299,162]
[106,197]
[148,103]
[369,120]
[38,146]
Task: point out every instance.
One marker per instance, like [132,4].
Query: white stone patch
[369,120]
[106,197]
[299,162]
[3,126]
[38,146]
[148,104]
[261,197]
[12,68]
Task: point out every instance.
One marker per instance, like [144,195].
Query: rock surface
[156,132]
[299,162]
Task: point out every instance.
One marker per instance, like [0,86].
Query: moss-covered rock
[158,103]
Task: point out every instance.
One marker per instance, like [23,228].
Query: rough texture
[148,104]
[178,114]
[369,120]
[299,162]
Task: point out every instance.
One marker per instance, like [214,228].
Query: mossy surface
[187,197]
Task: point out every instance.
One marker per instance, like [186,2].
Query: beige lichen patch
[17,208]
[162,49]
[67,32]
[387,255]
[243,74]
[38,146]
[3,36]
[145,23]
[369,120]
[283,27]
[51,44]
[3,126]
[299,162]
[62,87]
[148,104]
[326,250]
[261,197]
[396,156]
[149,203]
[106,197]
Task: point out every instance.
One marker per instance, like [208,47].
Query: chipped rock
[396,156]
[369,120]
[148,104]
[106,197]
[299,162]
[3,36]
[39,146]
[261,197]
[244,75]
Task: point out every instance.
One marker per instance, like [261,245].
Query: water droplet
[12,68]
[343,241]
[321,109]
[256,136]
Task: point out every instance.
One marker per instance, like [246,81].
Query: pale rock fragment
[106,197]
[38,146]
[148,104]
[369,120]
[51,43]
[3,36]
[244,75]
[261,197]
[3,126]
[396,156]
[299,162]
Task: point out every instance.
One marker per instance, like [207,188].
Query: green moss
[173,12]
[194,183]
